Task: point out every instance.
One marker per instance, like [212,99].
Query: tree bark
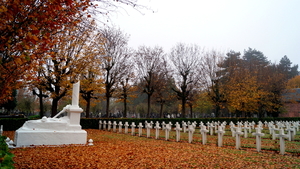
[149,108]
[41,106]
[88,104]
[161,109]
[107,106]
[54,107]
[191,110]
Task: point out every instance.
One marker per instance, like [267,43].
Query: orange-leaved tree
[294,83]
[243,93]
[64,63]
[126,89]
[91,78]
[27,28]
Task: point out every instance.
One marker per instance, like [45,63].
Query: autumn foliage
[112,150]
[27,30]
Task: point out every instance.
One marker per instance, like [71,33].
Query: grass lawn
[114,150]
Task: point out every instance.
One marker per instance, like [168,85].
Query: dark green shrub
[6,158]
[12,124]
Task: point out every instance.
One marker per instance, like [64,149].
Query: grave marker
[178,129]
[238,134]
[126,127]
[220,132]
[133,128]
[114,126]
[148,127]
[140,126]
[104,125]
[100,124]
[258,135]
[120,127]
[157,127]
[204,132]
[281,136]
[108,125]
[167,131]
[191,131]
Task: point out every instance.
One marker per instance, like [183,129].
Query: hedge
[12,124]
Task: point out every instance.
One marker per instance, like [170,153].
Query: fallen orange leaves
[113,150]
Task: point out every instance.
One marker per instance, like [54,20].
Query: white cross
[281,136]
[204,131]
[133,128]
[157,130]
[220,132]
[126,127]
[258,135]
[120,127]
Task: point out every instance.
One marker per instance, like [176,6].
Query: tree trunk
[148,110]
[125,108]
[191,110]
[217,110]
[183,102]
[161,109]
[41,106]
[54,107]
[107,106]
[88,104]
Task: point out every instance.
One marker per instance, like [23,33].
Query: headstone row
[276,129]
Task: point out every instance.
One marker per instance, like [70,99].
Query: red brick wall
[292,110]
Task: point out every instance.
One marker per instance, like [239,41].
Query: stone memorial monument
[54,131]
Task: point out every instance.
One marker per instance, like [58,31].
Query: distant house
[291,99]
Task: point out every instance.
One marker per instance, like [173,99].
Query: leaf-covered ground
[113,150]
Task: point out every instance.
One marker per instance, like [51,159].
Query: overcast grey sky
[270,26]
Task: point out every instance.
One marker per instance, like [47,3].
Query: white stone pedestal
[37,138]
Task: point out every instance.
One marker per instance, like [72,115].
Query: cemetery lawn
[113,150]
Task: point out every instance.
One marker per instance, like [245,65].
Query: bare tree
[185,59]
[113,61]
[211,74]
[150,64]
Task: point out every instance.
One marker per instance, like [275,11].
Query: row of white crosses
[242,129]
